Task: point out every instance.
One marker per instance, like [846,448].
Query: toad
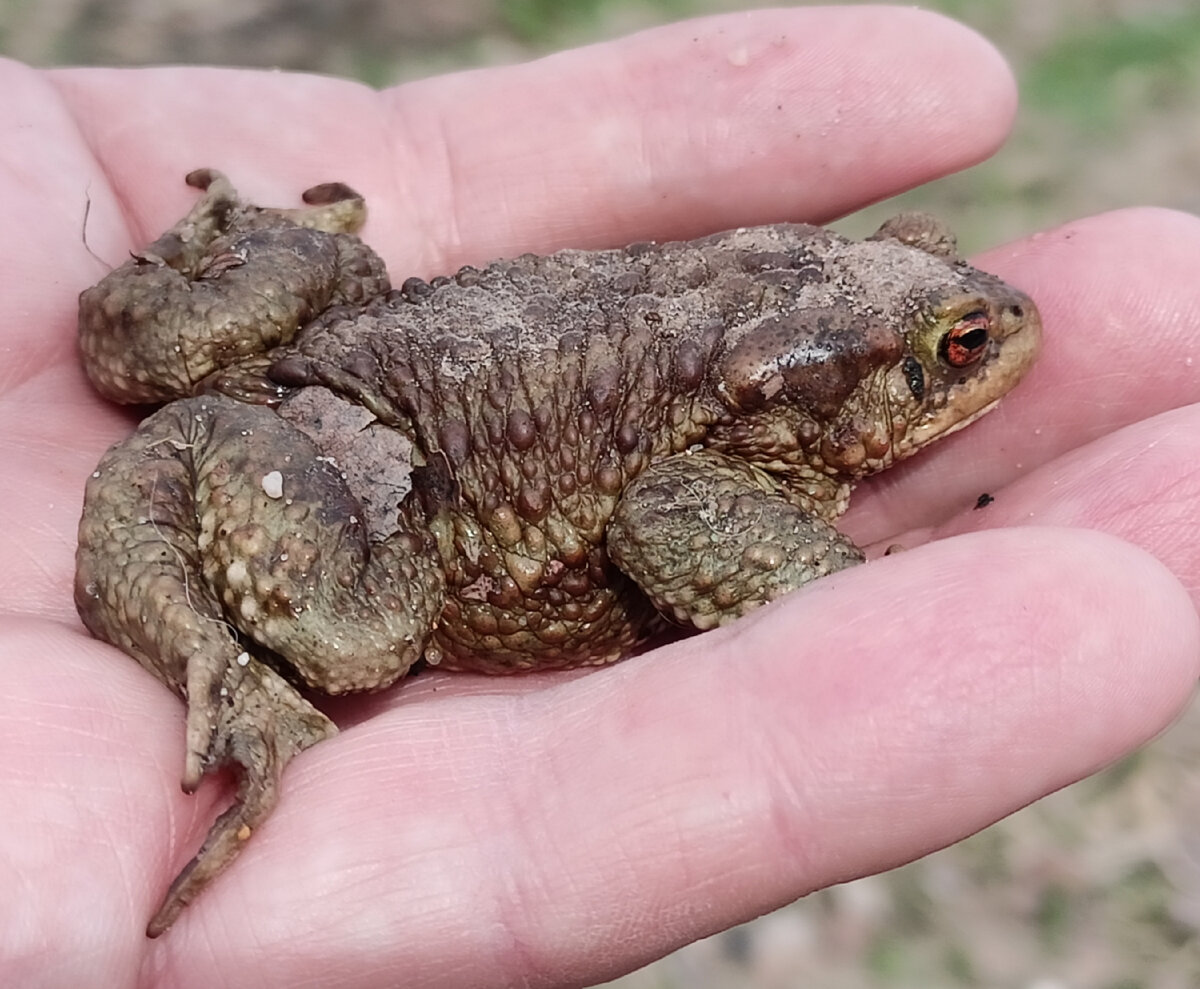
[529,465]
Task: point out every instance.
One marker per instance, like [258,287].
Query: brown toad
[516,467]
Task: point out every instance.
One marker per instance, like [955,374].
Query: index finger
[686,129]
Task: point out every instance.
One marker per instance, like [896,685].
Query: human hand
[558,829]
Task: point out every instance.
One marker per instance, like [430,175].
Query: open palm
[558,829]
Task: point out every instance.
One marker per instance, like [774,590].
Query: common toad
[524,466]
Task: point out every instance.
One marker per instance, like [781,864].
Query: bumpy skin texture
[525,466]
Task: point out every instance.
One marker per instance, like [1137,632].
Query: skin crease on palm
[558,829]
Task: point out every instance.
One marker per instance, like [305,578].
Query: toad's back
[535,389]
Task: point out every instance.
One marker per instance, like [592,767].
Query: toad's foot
[260,724]
[229,281]
[216,531]
[710,538]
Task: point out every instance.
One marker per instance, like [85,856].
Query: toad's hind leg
[215,538]
[709,538]
[229,281]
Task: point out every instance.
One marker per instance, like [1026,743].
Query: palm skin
[559,829]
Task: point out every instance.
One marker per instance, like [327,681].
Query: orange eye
[966,340]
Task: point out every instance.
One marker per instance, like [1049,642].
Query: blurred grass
[1098,75]
[544,23]
[1097,887]
[536,22]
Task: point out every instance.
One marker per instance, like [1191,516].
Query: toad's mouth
[965,422]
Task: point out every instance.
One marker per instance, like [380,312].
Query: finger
[1140,483]
[54,426]
[44,189]
[708,124]
[786,114]
[877,716]
[1122,340]
[1121,343]
[89,793]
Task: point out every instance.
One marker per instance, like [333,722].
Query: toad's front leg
[709,538]
[216,545]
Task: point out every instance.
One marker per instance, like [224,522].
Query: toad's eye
[965,342]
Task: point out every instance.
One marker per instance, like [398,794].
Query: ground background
[1097,887]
